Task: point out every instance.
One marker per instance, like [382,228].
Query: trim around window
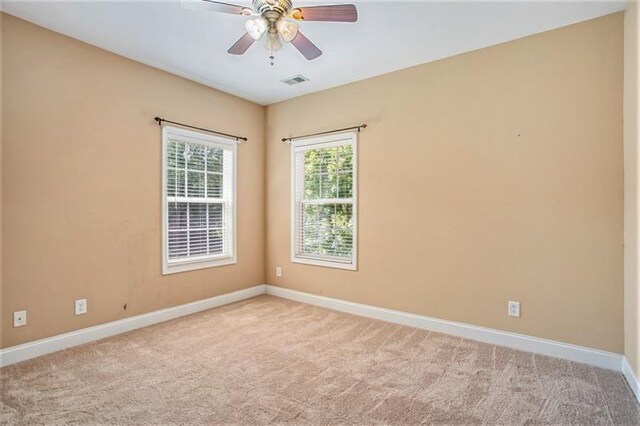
[190,263]
[308,144]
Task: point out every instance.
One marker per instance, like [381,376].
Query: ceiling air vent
[296,79]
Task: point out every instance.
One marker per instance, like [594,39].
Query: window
[199,200]
[324,201]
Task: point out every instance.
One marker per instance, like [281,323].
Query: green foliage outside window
[327,226]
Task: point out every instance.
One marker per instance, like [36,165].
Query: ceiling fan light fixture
[272,42]
[256,27]
[287,29]
[296,14]
[278,19]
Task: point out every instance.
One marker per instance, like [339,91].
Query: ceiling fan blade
[333,13]
[215,6]
[306,47]
[241,46]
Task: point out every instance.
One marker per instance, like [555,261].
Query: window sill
[174,268]
[325,263]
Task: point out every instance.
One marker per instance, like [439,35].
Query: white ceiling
[388,36]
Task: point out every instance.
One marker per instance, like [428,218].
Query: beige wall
[631,211]
[486,177]
[1,311]
[81,172]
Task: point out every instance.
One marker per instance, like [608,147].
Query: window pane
[344,245]
[175,154]
[214,160]
[195,184]
[196,157]
[328,173]
[215,241]
[214,185]
[178,244]
[171,182]
[312,162]
[175,183]
[197,215]
[345,184]
[215,216]
[177,215]
[328,185]
[201,229]
[171,153]
[312,186]
[327,229]
[198,243]
[328,160]
[345,158]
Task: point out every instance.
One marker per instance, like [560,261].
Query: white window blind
[324,201]
[199,200]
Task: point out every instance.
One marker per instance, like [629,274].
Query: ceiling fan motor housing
[280,6]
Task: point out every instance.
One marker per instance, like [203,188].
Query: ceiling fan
[276,21]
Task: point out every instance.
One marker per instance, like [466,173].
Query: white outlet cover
[19,318]
[514,309]
[278,271]
[81,306]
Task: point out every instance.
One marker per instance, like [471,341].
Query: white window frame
[172,267]
[339,139]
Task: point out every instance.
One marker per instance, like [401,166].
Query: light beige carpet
[269,360]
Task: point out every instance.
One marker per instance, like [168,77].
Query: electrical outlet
[81,306]
[278,271]
[19,318]
[514,309]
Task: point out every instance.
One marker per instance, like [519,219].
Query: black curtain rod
[359,128]
[161,120]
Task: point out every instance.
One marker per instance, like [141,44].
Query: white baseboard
[63,341]
[537,345]
[595,357]
[627,372]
